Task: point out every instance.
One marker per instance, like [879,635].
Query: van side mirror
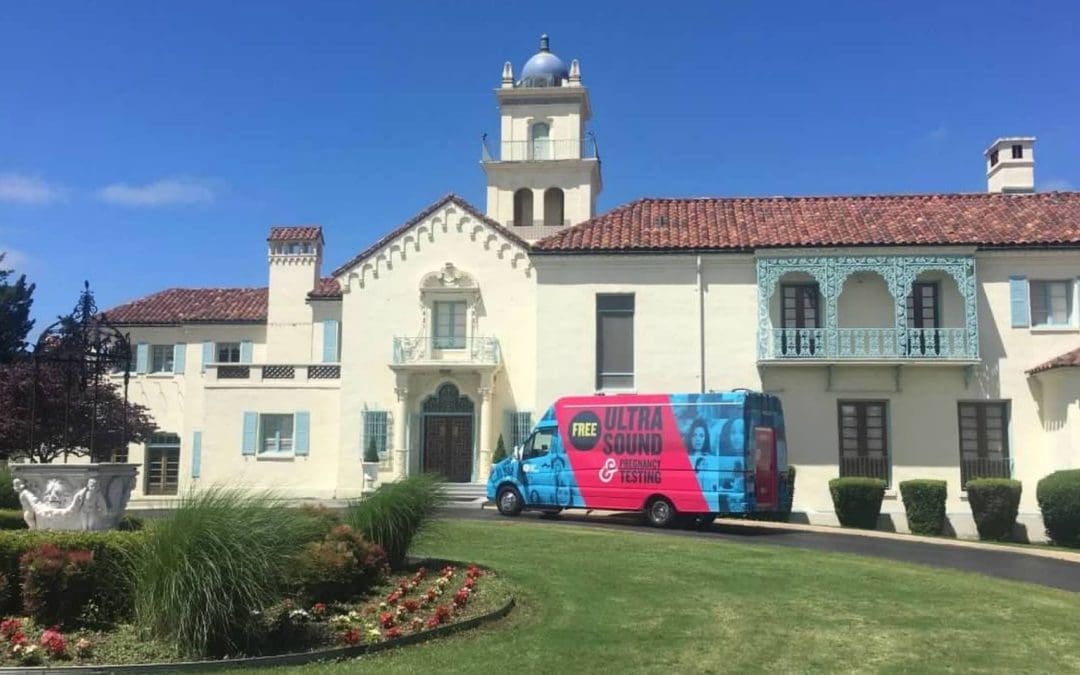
[518,452]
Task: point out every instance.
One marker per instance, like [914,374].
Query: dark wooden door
[448,446]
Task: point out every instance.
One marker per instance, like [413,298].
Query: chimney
[1010,165]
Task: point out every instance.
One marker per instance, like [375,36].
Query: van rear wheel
[508,501]
[660,512]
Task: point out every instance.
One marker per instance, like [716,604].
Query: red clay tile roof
[194,305]
[1066,360]
[295,233]
[450,198]
[328,288]
[745,223]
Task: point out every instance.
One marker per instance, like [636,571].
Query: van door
[765,468]
[539,466]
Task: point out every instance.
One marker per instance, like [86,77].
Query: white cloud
[22,189]
[164,192]
[1056,185]
[14,259]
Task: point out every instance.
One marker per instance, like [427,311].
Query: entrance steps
[458,494]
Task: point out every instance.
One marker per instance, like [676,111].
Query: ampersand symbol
[607,472]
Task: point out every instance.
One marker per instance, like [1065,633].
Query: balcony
[867,309]
[541,150]
[450,353]
[276,374]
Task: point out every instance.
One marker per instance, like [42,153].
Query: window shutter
[330,341]
[196,454]
[301,430]
[179,352]
[245,351]
[142,357]
[251,429]
[207,354]
[1018,301]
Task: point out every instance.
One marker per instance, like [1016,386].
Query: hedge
[857,501]
[924,502]
[994,505]
[11,519]
[111,588]
[1059,501]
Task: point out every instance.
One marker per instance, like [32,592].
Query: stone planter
[73,496]
[371,474]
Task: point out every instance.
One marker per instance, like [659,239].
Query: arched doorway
[448,434]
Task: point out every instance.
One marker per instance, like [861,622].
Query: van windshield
[539,444]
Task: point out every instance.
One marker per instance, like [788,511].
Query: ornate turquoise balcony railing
[899,342]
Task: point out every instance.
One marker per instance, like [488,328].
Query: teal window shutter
[196,454]
[330,341]
[302,434]
[179,352]
[251,430]
[245,351]
[207,354]
[1018,302]
[142,357]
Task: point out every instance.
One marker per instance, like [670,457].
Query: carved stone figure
[61,507]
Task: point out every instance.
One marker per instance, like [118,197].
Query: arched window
[541,140]
[523,207]
[553,206]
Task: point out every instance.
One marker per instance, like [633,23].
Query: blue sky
[145,145]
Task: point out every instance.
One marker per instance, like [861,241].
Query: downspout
[701,323]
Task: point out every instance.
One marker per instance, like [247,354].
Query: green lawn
[602,601]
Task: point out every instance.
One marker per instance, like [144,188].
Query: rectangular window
[984,440]
[994,158]
[800,317]
[228,352]
[924,318]
[1017,152]
[614,342]
[518,426]
[275,434]
[376,423]
[449,325]
[161,358]
[162,474]
[864,442]
[1051,303]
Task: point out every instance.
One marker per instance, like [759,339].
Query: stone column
[484,443]
[401,419]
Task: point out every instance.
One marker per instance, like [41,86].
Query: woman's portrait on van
[697,438]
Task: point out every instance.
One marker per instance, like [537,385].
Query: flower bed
[408,605]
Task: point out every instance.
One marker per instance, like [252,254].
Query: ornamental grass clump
[924,503]
[1059,501]
[206,573]
[396,512]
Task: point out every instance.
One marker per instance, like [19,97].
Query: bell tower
[544,173]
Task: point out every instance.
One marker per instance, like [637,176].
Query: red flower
[351,637]
[393,633]
[19,638]
[386,619]
[473,571]
[9,627]
[432,594]
[470,582]
[411,605]
[420,574]
[53,641]
[443,612]
[461,597]
[394,597]
[319,609]
[433,622]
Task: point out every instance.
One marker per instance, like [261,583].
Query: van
[671,456]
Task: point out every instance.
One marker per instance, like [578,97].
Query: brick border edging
[292,659]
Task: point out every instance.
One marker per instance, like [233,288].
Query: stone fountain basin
[74,496]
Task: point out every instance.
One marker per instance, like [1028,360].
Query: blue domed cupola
[544,69]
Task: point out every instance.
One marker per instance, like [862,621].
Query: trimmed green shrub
[1059,501]
[8,498]
[371,452]
[206,572]
[323,518]
[55,583]
[340,567]
[130,523]
[857,501]
[500,451]
[12,520]
[924,503]
[396,512]
[994,505]
[111,593]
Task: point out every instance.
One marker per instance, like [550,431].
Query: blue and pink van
[672,456]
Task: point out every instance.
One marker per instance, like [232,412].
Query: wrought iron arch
[84,350]
[447,399]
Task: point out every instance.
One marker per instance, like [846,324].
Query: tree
[371,453]
[500,451]
[15,321]
[64,417]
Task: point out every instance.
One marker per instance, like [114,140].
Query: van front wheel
[660,512]
[508,501]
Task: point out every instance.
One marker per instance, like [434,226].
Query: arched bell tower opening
[545,171]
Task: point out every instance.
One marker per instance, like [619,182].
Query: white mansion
[908,336]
